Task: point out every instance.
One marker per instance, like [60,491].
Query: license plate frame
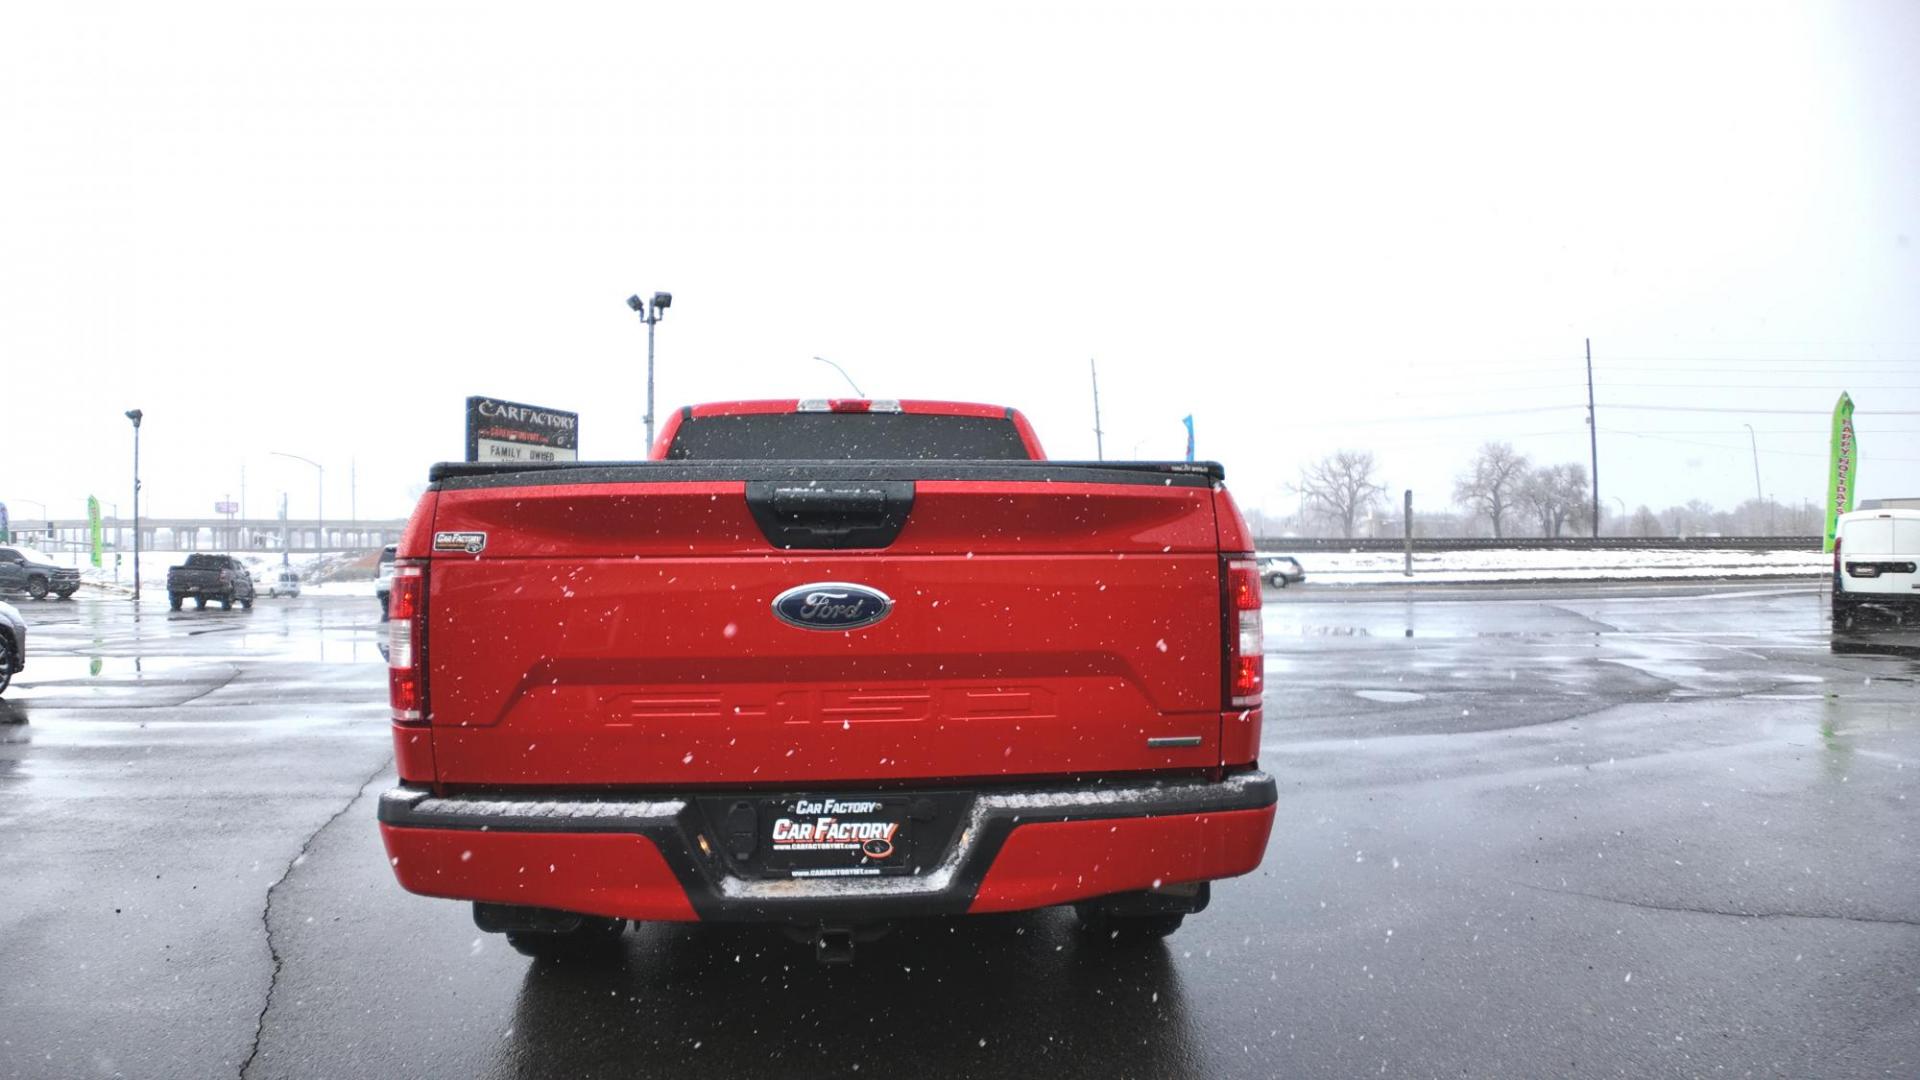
[836,835]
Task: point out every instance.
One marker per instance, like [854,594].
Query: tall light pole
[650,313]
[1755,442]
[319,499]
[135,415]
[46,523]
[843,374]
[1593,441]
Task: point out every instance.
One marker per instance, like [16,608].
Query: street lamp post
[1755,442]
[135,415]
[319,499]
[843,374]
[46,523]
[650,313]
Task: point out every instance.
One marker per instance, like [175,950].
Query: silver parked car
[383,580]
[1281,571]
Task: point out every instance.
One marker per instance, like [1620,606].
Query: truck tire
[594,938]
[199,603]
[1278,581]
[6,662]
[37,587]
[64,594]
[247,603]
[1842,612]
[173,600]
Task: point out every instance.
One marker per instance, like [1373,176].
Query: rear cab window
[848,435]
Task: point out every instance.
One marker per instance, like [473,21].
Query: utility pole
[1099,447]
[1407,518]
[1593,441]
[1755,441]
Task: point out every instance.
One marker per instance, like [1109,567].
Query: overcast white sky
[316,228]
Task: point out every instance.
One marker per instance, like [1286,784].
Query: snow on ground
[1571,564]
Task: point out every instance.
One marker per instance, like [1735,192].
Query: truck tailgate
[618,629]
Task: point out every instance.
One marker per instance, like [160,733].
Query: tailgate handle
[830,514]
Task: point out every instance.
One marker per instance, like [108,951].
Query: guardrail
[1290,544]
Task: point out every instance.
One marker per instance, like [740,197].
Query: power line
[1737,449]
[1779,412]
[1743,386]
[1757,360]
[1776,431]
[1435,416]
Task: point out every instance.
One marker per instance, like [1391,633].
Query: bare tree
[1340,487]
[1645,523]
[1490,486]
[1556,495]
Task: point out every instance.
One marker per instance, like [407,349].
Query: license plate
[836,836]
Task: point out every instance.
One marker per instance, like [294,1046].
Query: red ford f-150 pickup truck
[825,664]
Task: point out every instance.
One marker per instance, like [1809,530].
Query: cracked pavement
[1528,831]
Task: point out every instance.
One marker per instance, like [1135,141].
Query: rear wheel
[1278,581]
[37,588]
[1843,613]
[226,603]
[173,601]
[6,662]
[594,938]
[199,603]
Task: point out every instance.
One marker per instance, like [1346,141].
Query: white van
[1875,553]
[284,582]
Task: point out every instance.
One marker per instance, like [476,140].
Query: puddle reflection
[1877,637]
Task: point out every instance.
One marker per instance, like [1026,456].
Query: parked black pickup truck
[210,577]
[23,569]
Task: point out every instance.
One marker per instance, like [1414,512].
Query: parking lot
[1576,830]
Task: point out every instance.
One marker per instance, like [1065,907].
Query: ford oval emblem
[832,605]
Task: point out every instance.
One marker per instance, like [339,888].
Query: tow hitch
[835,944]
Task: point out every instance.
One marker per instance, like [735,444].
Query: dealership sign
[508,431]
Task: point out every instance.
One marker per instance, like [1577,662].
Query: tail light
[407,643]
[1836,564]
[1245,636]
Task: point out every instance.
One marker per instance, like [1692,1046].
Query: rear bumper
[1018,848]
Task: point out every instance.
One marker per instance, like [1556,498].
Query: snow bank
[1569,564]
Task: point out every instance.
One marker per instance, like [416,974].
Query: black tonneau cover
[459,475]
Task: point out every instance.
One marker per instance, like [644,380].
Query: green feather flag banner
[93,527]
[1843,468]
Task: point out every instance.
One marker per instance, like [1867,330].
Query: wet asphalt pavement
[1566,831]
